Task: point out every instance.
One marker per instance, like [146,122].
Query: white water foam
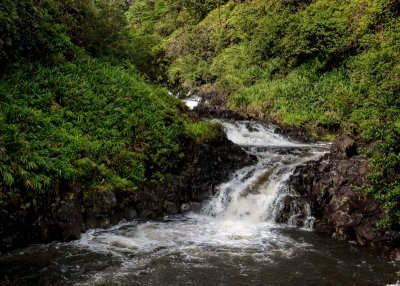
[254,193]
[238,221]
[192,101]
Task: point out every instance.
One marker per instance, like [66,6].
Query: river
[233,240]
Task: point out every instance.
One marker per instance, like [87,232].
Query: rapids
[234,240]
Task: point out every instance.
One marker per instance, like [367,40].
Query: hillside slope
[329,66]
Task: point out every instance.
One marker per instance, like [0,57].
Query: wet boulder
[292,209]
[130,213]
[344,145]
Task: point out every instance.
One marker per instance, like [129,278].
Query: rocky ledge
[66,214]
[210,107]
[329,186]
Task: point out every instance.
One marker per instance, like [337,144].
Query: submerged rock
[293,210]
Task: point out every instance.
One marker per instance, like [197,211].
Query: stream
[233,240]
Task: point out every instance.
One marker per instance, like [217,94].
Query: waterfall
[243,235]
[254,194]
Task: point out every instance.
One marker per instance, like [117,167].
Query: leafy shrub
[53,32]
[204,131]
[93,123]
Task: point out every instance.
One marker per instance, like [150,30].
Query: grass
[204,131]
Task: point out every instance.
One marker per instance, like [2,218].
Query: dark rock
[104,222]
[292,210]
[251,127]
[297,133]
[70,220]
[117,216]
[105,201]
[91,222]
[209,111]
[344,145]
[130,214]
[329,187]
[146,213]
[172,209]
[322,226]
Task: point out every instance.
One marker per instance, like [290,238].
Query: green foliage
[53,32]
[33,30]
[325,64]
[304,96]
[321,64]
[204,131]
[152,22]
[89,122]
[69,115]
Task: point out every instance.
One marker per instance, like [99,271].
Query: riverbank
[66,214]
[325,66]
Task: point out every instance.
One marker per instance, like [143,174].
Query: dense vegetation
[324,64]
[73,109]
[55,32]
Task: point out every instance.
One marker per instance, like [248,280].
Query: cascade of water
[243,212]
[234,240]
[254,194]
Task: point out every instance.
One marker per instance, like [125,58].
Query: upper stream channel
[233,240]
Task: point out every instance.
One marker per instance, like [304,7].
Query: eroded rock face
[330,187]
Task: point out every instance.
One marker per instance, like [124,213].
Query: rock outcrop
[330,188]
[205,110]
